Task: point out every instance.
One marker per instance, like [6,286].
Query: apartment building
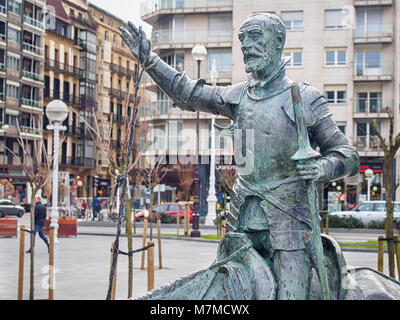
[348,49]
[177,27]
[116,69]
[70,76]
[21,81]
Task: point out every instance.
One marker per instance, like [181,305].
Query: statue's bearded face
[258,46]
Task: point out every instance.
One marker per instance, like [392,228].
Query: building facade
[348,49]
[22,34]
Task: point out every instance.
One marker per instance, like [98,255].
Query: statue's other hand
[136,40]
[311,170]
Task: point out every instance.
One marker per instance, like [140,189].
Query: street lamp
[199,54]
[57,112]
[212,199]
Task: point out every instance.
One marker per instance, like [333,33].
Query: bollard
[178,220]
[397,246]
[327,224]
[187,220]
[21,263]
[114,281]
[380,253]
[150,267]
[223,228]
[51,264]
[159,242]
[144,242]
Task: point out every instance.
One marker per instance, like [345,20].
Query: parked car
[369,211]
[8,208]
[170,209]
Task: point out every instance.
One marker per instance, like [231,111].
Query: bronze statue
[271,250]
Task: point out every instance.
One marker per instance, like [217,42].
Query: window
[115,40]
[14,35]
[106,35]
[342,126]
[15,6]
[220,24]
[366,207]
[11,120]
[336,19]
[13,63]
[222,57]
[293,20]
[369,102]
[336,97]
[12,91]
[296,58]
[335,57]
[369,63]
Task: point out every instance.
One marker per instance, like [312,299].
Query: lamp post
[212,199]
[57,112]
[199,54]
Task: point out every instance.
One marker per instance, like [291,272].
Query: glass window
[222,57]
[220,24]
[336,97]
[336,19]
[15,6]
[366,207]
[12,91]
[14,35]
[381,207]
[335,57]
[296,58]
[341,57]
[13,63]
[330,58]
[293,20]
[397,207]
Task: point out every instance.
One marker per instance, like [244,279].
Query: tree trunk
[32,243]
[130,247]
[389,213]
[151,211]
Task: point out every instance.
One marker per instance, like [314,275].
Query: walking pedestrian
[83,209]
[40,218]
[96,207]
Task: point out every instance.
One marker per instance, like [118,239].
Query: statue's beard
[260,62]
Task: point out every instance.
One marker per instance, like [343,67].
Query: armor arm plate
[339,158]
[190,95]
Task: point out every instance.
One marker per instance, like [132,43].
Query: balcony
[78,162]
[32,103]
[33,76]
[74,131]
[374,71]
[165,39]
[59,67]
[2,67]
[157,109]
[150,8]
[373,33]
[363,3]
[116,118]
[27,131]
[372,108]
[367,144]
[32,48]
[33,22]
[120,95]
[3,10]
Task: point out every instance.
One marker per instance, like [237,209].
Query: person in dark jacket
[40,218]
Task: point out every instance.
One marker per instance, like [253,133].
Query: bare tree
[186,179]
[36,165]
[227,177]
[389,148]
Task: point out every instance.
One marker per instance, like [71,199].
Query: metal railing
[29,130]
[371,105]
[32,103]
[33,75]
[34,22]
[202,36]
[155,109]
[81,162]
[373,30]
[32,48]
[152,6]
[367,143]
[63,68]
[374,68]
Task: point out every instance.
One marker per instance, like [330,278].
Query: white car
[369,211]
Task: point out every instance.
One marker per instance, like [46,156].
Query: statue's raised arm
[192,95]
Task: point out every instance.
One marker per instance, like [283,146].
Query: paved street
[83,264]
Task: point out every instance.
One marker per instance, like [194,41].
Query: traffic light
[96,182]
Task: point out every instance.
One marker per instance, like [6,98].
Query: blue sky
[124,9]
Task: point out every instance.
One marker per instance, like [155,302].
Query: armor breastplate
[274,142]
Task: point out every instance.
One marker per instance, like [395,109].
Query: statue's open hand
[311,170]
[136,40]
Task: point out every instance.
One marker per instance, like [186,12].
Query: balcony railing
[29,130]
[63,68]
[367,143]
[3,10]
[34,22]
[151,6]
[372,105]
[374,68]
[33,75]
[202,36]
[32,48]
[157,108]
[78,131]
[81,162]
[32,103]
[121,95]
[373,31]
[117,118]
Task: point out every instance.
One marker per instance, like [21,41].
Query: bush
[347,223]
[376,224]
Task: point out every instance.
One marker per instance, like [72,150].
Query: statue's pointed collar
[255,82]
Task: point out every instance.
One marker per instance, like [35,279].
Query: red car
[167,208]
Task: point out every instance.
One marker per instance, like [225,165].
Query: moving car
[370,211]
[8,208]
[166,208]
